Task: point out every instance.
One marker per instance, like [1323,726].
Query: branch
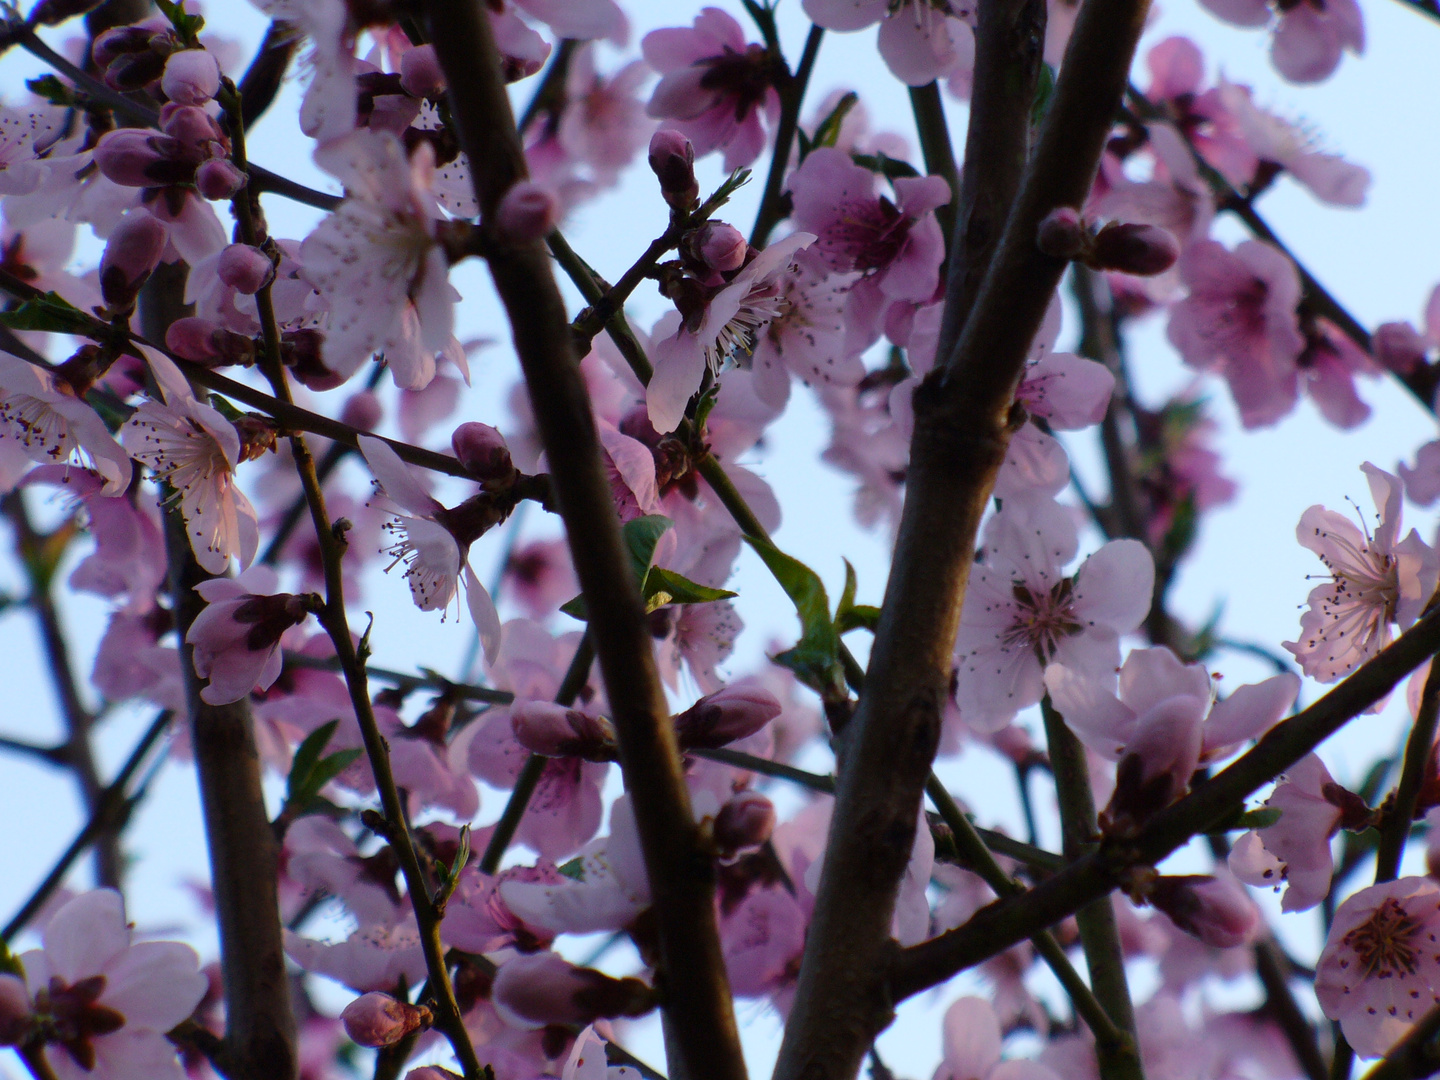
[792,97]
[111,812]
[262,79]
[1401,812]
[1414,1056]
[1002,924]
[692,969]
[937,151]
[1425,7]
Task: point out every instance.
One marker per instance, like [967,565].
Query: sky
[1381,261]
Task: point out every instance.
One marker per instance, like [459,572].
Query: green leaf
[51,313]
[804,143]
[574,869]
[640,535]
[309,771]
[307,756]
[327,768]
[1262,817]
[186,26]
[681,589]
[706,403]
[885,166]
[1044,92]
[828,133]
[815,659]
[52,90]
[850,615]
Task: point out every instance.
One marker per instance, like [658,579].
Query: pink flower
[1375,580]
[429,548]
[376,263]
[972,1044]
[1309,36]
[1216,910]
[328,109]
[1020,607]
[587,1061]
[24,135]
[192,77]
[539,577]
[49,424]
[918,38]
[580,20]
[322,861]
[807,339]
[237,636]
[371,958]
[538,989]
[730,324]
[195,450]
[762,940]
[1380,970]
[110,1001]
[1239,320]
[1295,851]
[713,86]
[604,124]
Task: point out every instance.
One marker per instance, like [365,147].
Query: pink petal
[972,1040]
[395,477]
[1113,587]
[484,615]
[155,984]
[679,367]
[86,934]
[1248,713]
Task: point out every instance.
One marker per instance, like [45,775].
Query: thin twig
[1419,746]
[792,99]
[1416,1055]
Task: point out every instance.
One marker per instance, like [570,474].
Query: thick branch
[681,874]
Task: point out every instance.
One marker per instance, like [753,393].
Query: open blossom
[195,450]
[1380,971]
[236,637]
[110,1000]
[375,260]
[49,424]
[371,958]
[429,548]
[1375,579]
[972,1044]
[713,86]
[587,1061]
[604,123]
[1309,36]
[24,135]
[729,325]
[1022,612]
[918,38]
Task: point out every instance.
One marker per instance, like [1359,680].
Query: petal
[1248,713]
[86,934]
[1114,586]
[679,367]
[482,611]
[971,1034]
[155,984]
[395,477]
[1097,716]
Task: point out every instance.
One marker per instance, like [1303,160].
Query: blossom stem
[111,812]
[1096,873]
[937,150]
[262,79]
[549,96]
[534,767]
[697,1002]
[1099,935]
[1401,812]
[792,99]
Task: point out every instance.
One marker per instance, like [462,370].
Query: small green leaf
[828,133]
[309,771]
[850,615]
[52,90]
[307,756]
[574,869]
[886,166]
[51,313]
[681,589]
[815,659]
[706,403]
[1044,92]
[187,26]
[640,535]
[330,767]
[1262,817]
[804,143]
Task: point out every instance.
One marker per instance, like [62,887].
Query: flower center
[72,1016]
[743,76]
[1042,619]
[1385,943]
[868,235]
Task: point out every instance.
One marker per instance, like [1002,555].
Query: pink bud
[543,727]
[672,157]
[196,129]
[131,255]
[725,716]
[1158,763]
[743,823]
[16,1021]
[432,1072]
[245,269]
[119,41]
[720,246]
[1398,347]
[362,411]
[193,338]
[380,1020]
[482,450]
[420,74]
[526,212]
[300,350]
[218,179]
[191,77]
[1062,233]
[540,989]
[131,157]
[1217,910]
[1134,249]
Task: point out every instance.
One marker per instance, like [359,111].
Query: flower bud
[432,1072]
[420,73]
[482,450]
[1062,233]
[219,179]
[721,247]
[543,727]
[191,77]
[195,129]
[245,269]
[131,255]
[138,70]
[1398,347]
[380,1020]
[194,339]
[672,157]
[541,989]
[725,716]
[131,157]
[16,1020]
[1158,763]
[120,41]
[743,823]
[1217,910]
[1144,250]
[257,437]
[526,212]
[362,411]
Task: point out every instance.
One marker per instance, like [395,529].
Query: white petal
[482,610]
[395,477]
[1113,588]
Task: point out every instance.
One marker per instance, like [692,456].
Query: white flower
[52,427]
[376,263]
[195,450]
[24,135]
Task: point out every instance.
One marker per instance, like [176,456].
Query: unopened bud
[257,435]
[482,450]
[420,73]
[432,1072]
[193,127]
[54,12]
[131,255]
[245,269]
[362,411]
[191,77]
[526,212]
[1143,250]
[131,157]
[1398,347]
[721,247]
[219,179]
[725,716]
[672,157]
[1158,763]
[543,727]
[541,989]
[743,823]
[138,70]
[119,41]
[1217,910]
[380,1020]
[16,1020]
[1062,233]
